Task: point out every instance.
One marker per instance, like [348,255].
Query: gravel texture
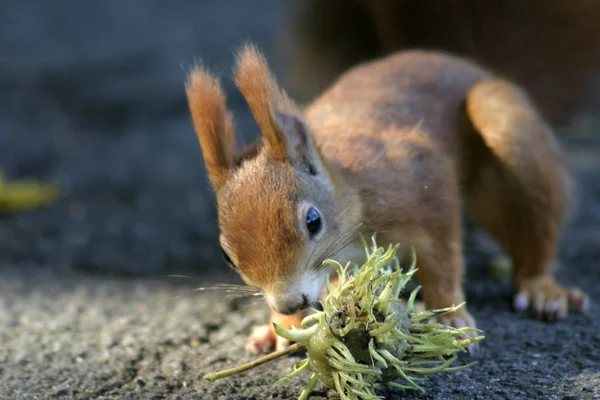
[92,95]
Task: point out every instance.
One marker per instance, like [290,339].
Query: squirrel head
[278,208]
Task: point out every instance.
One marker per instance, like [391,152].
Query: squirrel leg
[519,190]
[440,265]
[439,259]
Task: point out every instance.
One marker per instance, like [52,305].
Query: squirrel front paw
[460,318]
[263,338]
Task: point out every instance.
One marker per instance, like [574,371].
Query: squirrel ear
[212,123]
[298,142]
[260,90]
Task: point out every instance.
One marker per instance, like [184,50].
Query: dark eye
[313,222]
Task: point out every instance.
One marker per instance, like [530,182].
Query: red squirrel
[395,146]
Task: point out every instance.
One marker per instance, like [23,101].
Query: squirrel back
[550,48]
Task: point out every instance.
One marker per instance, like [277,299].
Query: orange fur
[523,172]
[249,223]
[257,84]
[212,123]
[395,146]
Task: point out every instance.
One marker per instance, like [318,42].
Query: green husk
[366,336]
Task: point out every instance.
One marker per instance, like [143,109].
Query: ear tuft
[212,122]
[259,87]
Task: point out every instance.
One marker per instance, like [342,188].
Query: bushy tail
[549,47]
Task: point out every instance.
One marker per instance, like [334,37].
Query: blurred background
[92,98]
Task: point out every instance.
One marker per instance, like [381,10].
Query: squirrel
[549,48]
[395,146]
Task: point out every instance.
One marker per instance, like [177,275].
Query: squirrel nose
[288,305]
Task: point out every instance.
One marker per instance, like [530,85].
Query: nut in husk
[367,336]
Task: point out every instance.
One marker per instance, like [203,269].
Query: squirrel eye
[313,222]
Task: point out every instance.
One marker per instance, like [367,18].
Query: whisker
[225,288]
[341,238]
[341,242]
[211,289]
[216,287]
[340,245]
[250,303]
[342,213]
[242,295]
[232,287]
[232,297]
[229,293]
[182,276]
[352,233]
[308,261]
[344,239]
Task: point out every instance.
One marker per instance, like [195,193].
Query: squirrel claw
[548,301]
